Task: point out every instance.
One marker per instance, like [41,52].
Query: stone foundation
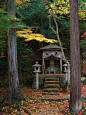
[61,77]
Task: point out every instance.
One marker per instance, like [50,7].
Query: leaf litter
[35,105]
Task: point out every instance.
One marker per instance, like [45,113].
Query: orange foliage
[20,2]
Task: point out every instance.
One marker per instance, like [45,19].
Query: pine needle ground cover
[38,104]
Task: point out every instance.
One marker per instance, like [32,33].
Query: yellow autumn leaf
[63,8]
[28,35]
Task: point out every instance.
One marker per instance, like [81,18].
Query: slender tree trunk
[13,90]
[57,35]
[75,78]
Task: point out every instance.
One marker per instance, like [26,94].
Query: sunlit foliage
[27,33]
[82,11]
[62,9]
[20,1]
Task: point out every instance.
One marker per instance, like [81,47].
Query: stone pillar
[37,80]
[36,71]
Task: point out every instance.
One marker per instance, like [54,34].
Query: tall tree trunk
[13,90]
[75,78]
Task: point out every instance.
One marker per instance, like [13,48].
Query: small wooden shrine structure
[51,53]
[52,65]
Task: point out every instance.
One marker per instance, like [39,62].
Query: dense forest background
[34,14]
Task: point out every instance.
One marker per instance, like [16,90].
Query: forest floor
[38,104]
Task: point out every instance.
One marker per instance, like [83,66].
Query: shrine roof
[51,47]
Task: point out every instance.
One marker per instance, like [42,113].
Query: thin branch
[57,34]
[50,25]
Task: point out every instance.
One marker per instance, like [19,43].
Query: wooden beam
[43,64]
[60,65]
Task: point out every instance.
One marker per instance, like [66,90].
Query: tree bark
[75,78]
[13,90]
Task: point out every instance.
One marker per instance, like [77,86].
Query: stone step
[49,79]
[51,82]
[51,90]
[51,86]
[51,93]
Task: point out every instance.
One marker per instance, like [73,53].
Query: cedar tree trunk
[13,90]
[75,78]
